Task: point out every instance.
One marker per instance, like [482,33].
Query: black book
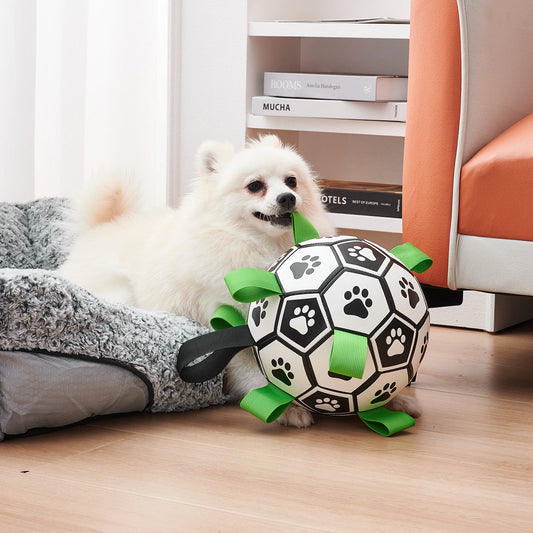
[370,199]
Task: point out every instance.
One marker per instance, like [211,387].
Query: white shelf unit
[367,223]
[350,150]
[334,30]
[334,125]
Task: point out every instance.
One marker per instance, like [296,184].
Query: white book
[304,107]
[336,86]
[373,20]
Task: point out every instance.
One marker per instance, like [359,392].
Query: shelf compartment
[366,223]
[341,30]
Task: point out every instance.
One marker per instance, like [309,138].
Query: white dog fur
[175,259]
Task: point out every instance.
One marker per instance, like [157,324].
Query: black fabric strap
[219,347]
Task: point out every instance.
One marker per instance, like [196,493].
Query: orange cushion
[431,131]
[496,193]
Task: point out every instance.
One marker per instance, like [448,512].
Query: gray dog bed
[66,355]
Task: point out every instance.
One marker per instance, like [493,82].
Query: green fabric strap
[348,355]
[226,316]
[266,403]
[302,229]
[413,258]
[251,284]
[386,422]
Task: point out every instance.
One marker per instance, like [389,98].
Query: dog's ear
[212,156]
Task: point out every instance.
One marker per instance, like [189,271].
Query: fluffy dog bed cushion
[36,234]
[65,354]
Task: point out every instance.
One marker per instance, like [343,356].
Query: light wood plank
[64,507]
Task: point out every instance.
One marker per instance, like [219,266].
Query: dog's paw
[297,417]
[407,404]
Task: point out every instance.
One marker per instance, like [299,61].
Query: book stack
[344,96]
[369,199]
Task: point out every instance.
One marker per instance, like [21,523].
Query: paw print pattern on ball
[408,292]
[326,404]
[361,254]
[419,354]
[305,267]
[259,311]
[304,322]
[395,342]
[358,302]
[382,395]
[282,371]
[303,319]
[424,346]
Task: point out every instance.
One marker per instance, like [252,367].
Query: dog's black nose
[287,200]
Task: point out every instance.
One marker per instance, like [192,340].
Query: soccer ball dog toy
[338,324]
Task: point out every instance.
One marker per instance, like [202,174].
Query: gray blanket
[41,312]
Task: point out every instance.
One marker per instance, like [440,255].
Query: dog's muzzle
[286,203]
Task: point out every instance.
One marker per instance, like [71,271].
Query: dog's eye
[290,181]
[255,186]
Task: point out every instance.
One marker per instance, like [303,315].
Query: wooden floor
[466,466]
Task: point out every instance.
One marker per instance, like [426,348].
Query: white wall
[213,78]
[17,81]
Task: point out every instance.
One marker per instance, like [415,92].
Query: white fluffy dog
[238,215]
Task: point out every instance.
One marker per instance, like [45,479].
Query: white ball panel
[406,293]
[356,302]
[308,269]
[284,368]
[262,317]
[328,402]
[382,390]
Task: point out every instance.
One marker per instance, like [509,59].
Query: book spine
[335,86]
[296,107]
[362,202]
